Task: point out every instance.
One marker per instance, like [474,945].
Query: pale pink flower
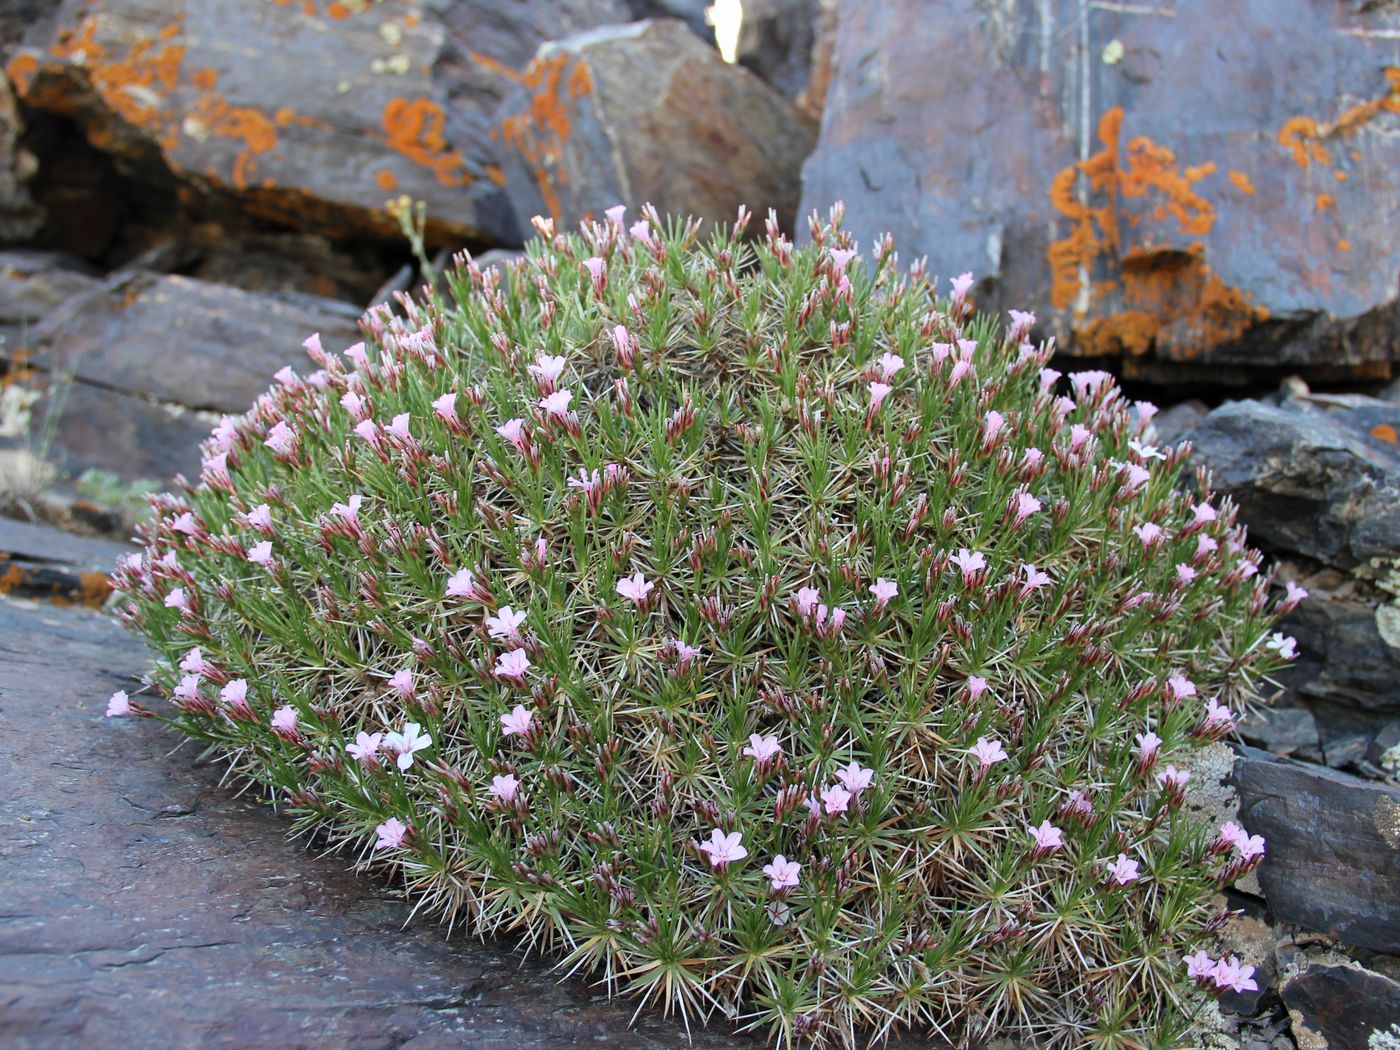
[1025,505]
[1048,378]
[285,375]
[883,590]
[557,403]
[406,744]
[1185,573]
[616,214]
[636,588]
[724,849]
[188,689]
[281,438]
[641,231]
[1294,595]
[1231,834]
[390,834]
[763,748]
[835,799]
[783,874]
[1123,870]
[962,284]
[235,693]
[1205,545]
[504,788]
[1203,513]
[399,427]
[1034,578]
[512,665]
[225,434]
[596,267]
[517,723]
[118,704]
[1148,745]
[992,425]
[840,258]
[1031,460]
[215,469]
[976,686]
[176,600]
[349,512]
[193,662]
[878,393]
[513,430]
[1145,411]
[807,599]
[1078,803]
[685,654]
[260,518]
[185,523]
[1173,779]
[1087,384]
[401,682]
[365,747]
[357,356]
[1217,714]
[889,365]
[1138,476]
[445,407]
[1251,847]
[1286,647]
[367,430]
[1232,974]
[261,553]
[1079,436]
[855,778]
[1199,966]
[1180,687]
[1047,836]
[284,719]
[506,623]
[353,403]
[970,562]
[547,369]
[987,752]
[461,584]
[1021,324]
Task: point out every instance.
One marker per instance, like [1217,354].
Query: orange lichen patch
[21,70]
[541,132]
[491,65]
[252,127]
[338,11]
[386,180]
[1324,201]
[88,588]
[132,85]
[1303,136]
[1340,175]
[287,115]
[415,129]
[1385,432]
[1241,181]
[495,174]
[580,80]
[205,79]
[1344,245]
[1153,167]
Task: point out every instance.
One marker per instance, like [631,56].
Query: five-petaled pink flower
[889,365]
[260,518]
[1294,595]
[1203,512]
[685,654]
[987,752]
[512,665]
[504,788]
[1185,573]
[636,588]
[390,834]
[235,693]
[970,562]
[784,874]
[261,553]
[1199,966]
[176,600]
[1123,870]
[513,430]
[855,778]
[1251,847]
[1286,647]
[281,438]
[557,403]
[1047,836]
[1180,687]
[1173,779]
[763,748]
[408,743]
[547,369]
[883,590]
[461,584]
[118,704]
[401,682]
[724,849]
[1025,505]
[446,407]
[506,623]
[835,799]
[1232,974]
[976,685]
[1148,744]
[517,723]
[807,600]
[878,393]
[1034,578]
[284,719]
[1217,714]
[1149,533]
[365,747]
[992,425]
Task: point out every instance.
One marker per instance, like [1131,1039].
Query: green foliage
[728,395]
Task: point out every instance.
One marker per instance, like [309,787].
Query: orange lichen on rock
[133,85]
[541,132]
[1241,182]
[252,127]
[1385,432]
[1303,136]
[415,128]
[386,180]
[21,70]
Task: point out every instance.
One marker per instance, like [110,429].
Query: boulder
[1342,1008]
[20,217]
[32,285]
[646,112]
[1317,476]
[788,44]
[1348,667]
[1154,188]
[310,113]
[1333,861]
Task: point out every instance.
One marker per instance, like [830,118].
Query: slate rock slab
[1204,196]
[146,906]
[40,562]
[1348,669]
[1341,1007]
[1333,861]
[647,112]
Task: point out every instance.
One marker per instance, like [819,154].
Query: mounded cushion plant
[749,626]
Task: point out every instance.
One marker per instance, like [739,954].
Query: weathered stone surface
[20,218]
[1317,476]
[146,906]
[646,112]
[782,41]
[1333,862]
[1150,185]
[188,342]
[1281,730]
[1345,664]
[41,562]
[34,284]
[381,99]
[1341,1007]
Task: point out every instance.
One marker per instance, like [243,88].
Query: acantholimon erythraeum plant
[748,626]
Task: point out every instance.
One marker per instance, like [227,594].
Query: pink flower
[855,778]
[1148,745]
[557,403]
[1145,410]
[193,662]
[399,427]
[1286,647]
[596,267]
[357,355]
[883,590]
[406,744]
[365,747]
[504,788]
[1231,834]
[1123,871]
[260,518]
[1232,974]
[685,654]
[1021,324]
[1047,836]
[992,425]
[506,623]
[547,369]
[1079,436]
[962,284]
[987,752]
[783,874]
[1079,804]
[1184,572]
[188,689]
[1035,579]
[835,799]
[1199,966]
[635,589]
[513,430]
[391,834]
[641,231]
[616,214]
[261,553]
[1180,687]
[840,258]
[517,723]
[401,682]
[349,512]
[1173,779]
[446,407]
[1087,384]
[889,365]
[185,523]
[118,704]
[1294,595]
[1048,378]
[970,562]
[763,748]
[1205,545]
[724,849]
[878,393]
[282,439]
[976,686]
[235,694]
[1138,476]
[367,430]
[807,599]
[1251,847]
[353,403]
[176,600]
[1203,513]
[285,375]
[284,719]
[512,665]
[1218,714]
[462,584]
[1023,507]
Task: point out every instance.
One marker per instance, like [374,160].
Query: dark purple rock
[1198,192]
[1341,1007]
[1280,730]
[1333,861]
[646,112]
[778,40]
